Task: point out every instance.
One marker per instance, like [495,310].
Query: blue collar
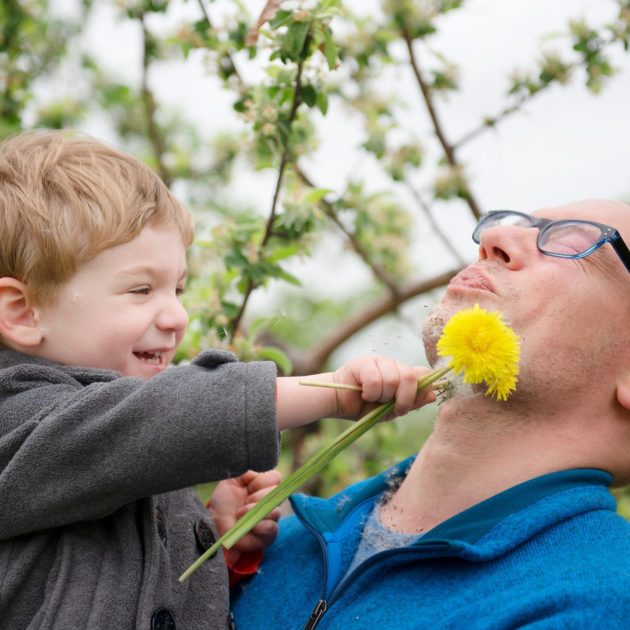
[337,522]
[471,524]
[326,515]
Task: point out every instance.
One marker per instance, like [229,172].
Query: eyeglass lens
[565,238]
[568,238]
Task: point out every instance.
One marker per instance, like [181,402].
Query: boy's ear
[18,321]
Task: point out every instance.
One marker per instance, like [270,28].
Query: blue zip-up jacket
[548,553]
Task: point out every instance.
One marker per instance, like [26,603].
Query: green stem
[298,478]
[353,388]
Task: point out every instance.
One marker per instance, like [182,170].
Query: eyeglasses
[568,238]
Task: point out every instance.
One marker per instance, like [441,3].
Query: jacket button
[161,527]
[162,619]
[204,535]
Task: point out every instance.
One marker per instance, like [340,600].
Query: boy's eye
[141,291]
[180,290]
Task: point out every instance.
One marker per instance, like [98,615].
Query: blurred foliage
[251,289]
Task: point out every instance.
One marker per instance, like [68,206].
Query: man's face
[121,311]
[571,315]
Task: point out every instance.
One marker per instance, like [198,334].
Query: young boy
[98,440]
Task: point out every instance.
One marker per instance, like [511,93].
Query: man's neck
[471,457]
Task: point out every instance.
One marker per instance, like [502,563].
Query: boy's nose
[508,245]
[173,316]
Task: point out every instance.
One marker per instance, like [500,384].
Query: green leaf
[277,356]
[315,195]
[284,129]
[280,253]
[322,102]
[295,38]
[309,95]
[260,323]
[201,26]
[330,50]
[287,277]
[281,18]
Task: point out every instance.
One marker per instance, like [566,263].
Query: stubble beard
[432,331]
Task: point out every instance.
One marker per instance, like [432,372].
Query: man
[504,518]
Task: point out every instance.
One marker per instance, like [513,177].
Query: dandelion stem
[354,388]
[298,478]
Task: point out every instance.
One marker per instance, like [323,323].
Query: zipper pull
[320,608]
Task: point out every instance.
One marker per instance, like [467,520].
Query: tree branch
[234,70]
[314,361]
[426,210]
[449,149]
[329,209]
[276,195]
[492,121]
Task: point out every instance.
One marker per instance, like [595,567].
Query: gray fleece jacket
[96,523]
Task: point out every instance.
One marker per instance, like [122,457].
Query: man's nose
[172,315]
[508,245]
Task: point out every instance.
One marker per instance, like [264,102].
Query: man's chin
[432,330]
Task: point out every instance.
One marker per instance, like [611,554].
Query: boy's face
[121,311]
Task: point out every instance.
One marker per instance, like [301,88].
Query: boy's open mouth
[153,358]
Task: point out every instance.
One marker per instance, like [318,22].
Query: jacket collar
[484,530]
[12,359]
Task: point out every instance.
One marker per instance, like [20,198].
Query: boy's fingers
[254,498]
[265,528]
[379,379]
[370,380]
[267,479]
[246,478]
[253,542]
[383,379]
[425,397]
[391,375]
[260,536]
[274,515]
[406,393]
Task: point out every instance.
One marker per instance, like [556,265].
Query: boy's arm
[381,378]
[79,444]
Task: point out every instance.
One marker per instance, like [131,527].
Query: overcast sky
[567,144]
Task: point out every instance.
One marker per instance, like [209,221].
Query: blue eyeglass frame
[608,234]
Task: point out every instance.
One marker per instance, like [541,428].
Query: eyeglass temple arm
[622,250]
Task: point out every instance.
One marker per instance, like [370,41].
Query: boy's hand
[381,379]
[234,497]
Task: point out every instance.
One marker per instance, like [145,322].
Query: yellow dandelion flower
[482,347]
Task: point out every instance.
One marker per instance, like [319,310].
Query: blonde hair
[65,197]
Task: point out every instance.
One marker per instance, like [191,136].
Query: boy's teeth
[154,358]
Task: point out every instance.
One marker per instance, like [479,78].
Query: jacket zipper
[320,608]
[322,604]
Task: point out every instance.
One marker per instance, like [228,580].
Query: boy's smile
[121,310]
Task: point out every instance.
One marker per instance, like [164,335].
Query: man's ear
[18,321]
[623,390]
